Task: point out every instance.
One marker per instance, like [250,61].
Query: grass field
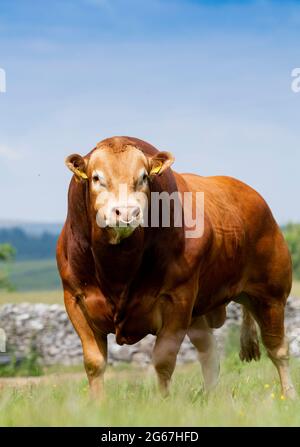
[34,275]
[247,395]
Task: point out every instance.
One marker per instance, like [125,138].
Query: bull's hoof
[290,393]
[249,350]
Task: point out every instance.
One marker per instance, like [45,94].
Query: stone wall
[48,329]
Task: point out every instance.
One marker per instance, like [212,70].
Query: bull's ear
[160,162]
[77,165]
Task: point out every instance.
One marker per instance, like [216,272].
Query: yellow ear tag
[156,169]
[80,174]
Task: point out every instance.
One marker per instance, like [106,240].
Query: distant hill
[31,228]
[34,267]
[29,246]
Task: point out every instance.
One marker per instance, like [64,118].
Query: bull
[125,277]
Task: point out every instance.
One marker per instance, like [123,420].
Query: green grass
[34,275]
[247,395]
[29,366]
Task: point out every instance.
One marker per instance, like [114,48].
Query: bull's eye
[98,180]
[142,180]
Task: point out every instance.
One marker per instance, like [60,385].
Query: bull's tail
[249,338]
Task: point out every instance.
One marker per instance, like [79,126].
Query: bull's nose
[136,211]
[126,214]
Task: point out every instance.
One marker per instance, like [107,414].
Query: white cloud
[9,154]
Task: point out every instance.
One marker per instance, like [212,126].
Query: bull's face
[119,186]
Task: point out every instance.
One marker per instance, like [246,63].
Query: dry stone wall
[47,328]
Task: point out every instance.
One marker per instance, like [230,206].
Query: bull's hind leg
[269,314]
[249,339]
[202,337]
[176,314]
[164,357]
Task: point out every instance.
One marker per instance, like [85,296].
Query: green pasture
[247,395]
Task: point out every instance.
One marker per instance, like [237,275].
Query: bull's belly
[215,317]
[213,305]
[139,321]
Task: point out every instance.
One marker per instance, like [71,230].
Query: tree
[292,236]
[7,253]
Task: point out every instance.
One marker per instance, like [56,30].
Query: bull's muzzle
[125,216]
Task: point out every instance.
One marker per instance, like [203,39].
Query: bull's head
[119,186]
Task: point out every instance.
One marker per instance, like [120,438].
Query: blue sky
[208,81]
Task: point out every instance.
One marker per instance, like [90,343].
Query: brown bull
[124,277]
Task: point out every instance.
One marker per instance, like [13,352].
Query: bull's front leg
[94,346]
[95,359]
